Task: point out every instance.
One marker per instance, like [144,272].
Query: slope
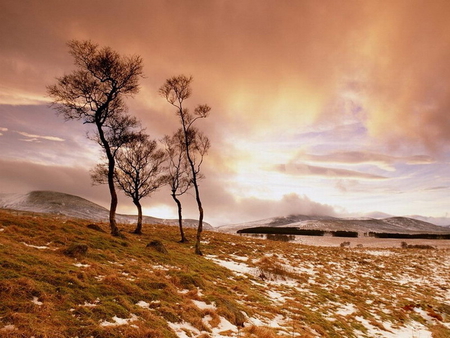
[74,206]
[59,278]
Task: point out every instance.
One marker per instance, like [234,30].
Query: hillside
[74,206]
[59,278]
[402,225]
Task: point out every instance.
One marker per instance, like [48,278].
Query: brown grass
[46,293]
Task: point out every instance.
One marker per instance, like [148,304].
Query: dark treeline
[296,231]
[408,236]
[281,231]
[337,233]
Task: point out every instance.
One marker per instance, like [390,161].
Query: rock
[158,246]
[95,227]
[76,250]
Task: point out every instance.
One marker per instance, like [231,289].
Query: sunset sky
[318,107]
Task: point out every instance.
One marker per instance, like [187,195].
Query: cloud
[383,161]
[22,177]
[33,137]
[259,64]
[238,210]
[290,204]
[220,206]
[361,78]
[302,169]
[403,82]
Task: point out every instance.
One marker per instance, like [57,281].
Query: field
[60,278]
[367,242]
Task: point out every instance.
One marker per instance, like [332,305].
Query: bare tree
[176,90]
[94,93]
[140,171]
[177,176]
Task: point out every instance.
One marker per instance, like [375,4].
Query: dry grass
[120,288]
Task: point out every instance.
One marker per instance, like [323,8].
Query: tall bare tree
[177,176]
[176,90]
[94,93]
[140,171]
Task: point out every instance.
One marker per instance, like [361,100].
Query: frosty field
[242,287]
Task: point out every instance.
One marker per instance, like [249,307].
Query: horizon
[317,107]
[12,204]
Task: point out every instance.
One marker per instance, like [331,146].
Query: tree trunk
[194,181]
[200,220]
[113,207]
[180,218]
[138,229]
[112,190]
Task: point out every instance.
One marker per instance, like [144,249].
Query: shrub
[345,244]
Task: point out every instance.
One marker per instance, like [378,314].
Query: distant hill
[401,225]
[53,202]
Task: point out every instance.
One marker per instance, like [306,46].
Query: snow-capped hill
[327,223]
[54,203]
[74,206]
[411,224]
[273,222]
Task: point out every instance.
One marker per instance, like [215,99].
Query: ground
[241,287]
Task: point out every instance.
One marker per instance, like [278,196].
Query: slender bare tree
[94,93]
[140,171]
[176,90]
[177,176]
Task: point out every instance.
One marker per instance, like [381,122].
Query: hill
[400,225]
[59,278]
[74,206]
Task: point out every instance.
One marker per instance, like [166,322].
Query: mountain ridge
[394,224]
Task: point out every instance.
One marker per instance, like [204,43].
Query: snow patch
[182,328]
[143,304]
[276,297]
[346,310]
[379,252]
[238,268]
[40,247]
[36,301]
[94,304]
[203,306]
[119,321]
[80,265]
[413,329]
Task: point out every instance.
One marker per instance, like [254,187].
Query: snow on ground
[413,329]
[94,304]
[40,247]
[143,304]
[394,278]
[36,301]
[395,285]
[239,268]
[346,310]
[203,306]
[223,330]
[119,321]
[81,265]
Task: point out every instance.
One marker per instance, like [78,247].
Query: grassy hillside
[59,278]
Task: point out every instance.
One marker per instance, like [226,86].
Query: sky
[327,107]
